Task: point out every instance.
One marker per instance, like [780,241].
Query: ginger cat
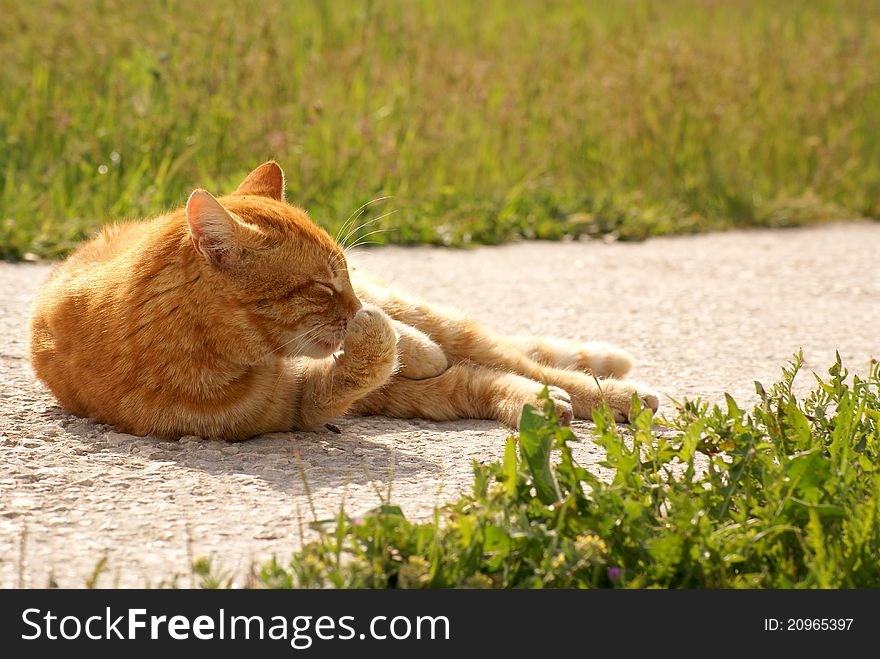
[221,319]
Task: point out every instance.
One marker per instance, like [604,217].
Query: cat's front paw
[371,337]
[618,394]
[418,356]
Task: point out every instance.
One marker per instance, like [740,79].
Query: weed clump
[785,495]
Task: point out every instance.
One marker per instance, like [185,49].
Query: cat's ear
[267,180]
[215,233]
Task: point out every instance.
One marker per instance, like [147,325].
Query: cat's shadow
[367,450]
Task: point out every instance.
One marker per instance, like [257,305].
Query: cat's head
[282,272]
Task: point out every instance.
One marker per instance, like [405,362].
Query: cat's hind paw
[596,357]
[603,359]
[561,403]
[619,393]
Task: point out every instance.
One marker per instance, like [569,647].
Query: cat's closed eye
[329,291]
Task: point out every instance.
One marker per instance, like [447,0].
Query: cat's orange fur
[221,319]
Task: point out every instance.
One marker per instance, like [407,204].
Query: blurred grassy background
[486,120]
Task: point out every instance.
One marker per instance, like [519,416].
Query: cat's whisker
[358,227]
[308,336]
[373,232]
[335,259]
[358,213]
[355,229]
[336,362]
[301,340]
[340,255]
[366,242]
[360,240]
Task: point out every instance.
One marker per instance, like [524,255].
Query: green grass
[486,121]
[786,495]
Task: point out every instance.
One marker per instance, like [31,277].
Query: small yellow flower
[591,549]
[478,580]
[496,489]
[414,573]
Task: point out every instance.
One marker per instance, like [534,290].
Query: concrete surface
[702,315]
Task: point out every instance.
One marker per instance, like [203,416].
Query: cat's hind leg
[601,359]
[463,339]
[463,391]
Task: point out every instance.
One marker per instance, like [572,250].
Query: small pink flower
[356,520]
[614,573]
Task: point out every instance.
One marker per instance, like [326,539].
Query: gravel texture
[702,315]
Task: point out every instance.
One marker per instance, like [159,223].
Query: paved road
[703,315]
